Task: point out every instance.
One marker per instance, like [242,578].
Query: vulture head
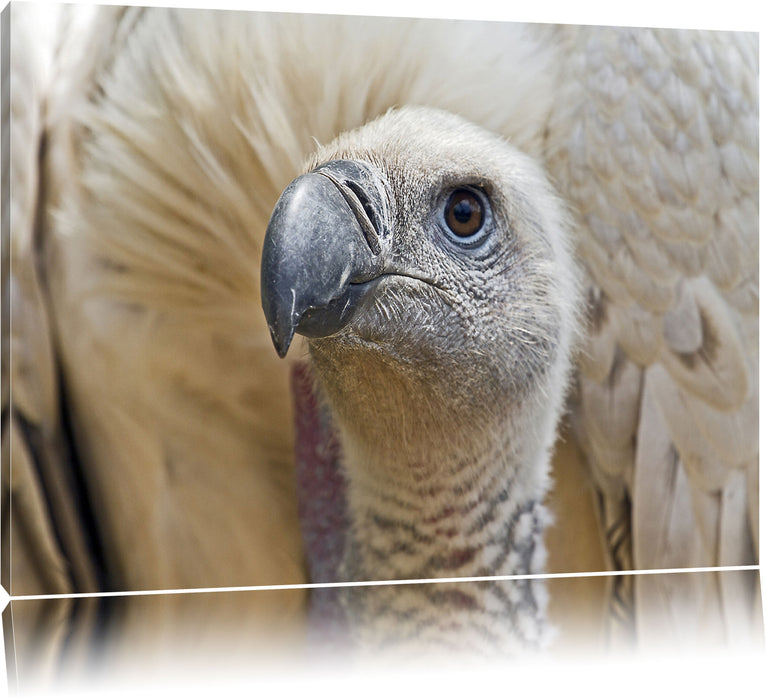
[427,260]
[428,263]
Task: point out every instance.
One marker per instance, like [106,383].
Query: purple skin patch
[322,505]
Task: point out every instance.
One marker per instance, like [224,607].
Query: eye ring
[465,216]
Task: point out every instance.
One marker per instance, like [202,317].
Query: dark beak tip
[279,349]
[281,341]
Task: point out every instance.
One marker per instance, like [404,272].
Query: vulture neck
[469,508]
[449,505]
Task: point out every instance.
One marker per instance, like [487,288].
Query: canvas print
[458,318]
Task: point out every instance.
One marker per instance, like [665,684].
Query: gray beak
[326,240]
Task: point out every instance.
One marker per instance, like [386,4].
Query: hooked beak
[327,237]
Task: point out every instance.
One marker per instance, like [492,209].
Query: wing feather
[46,548]
[716,370]
[655,144]
[611,419]
[638,332]
[597,355]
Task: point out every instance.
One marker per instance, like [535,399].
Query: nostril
[365,202]
[362,209]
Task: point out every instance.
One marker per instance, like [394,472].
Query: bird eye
[465,214]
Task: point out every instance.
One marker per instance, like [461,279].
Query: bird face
[427,257]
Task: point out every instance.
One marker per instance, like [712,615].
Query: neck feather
[475,517]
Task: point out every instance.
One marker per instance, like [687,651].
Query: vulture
[441,313]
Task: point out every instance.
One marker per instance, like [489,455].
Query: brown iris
[463,213]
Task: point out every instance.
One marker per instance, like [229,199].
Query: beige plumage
[666,139]
[135,292]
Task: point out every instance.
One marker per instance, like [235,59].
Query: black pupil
[464,213]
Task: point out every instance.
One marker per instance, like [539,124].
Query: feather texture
[668,214]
